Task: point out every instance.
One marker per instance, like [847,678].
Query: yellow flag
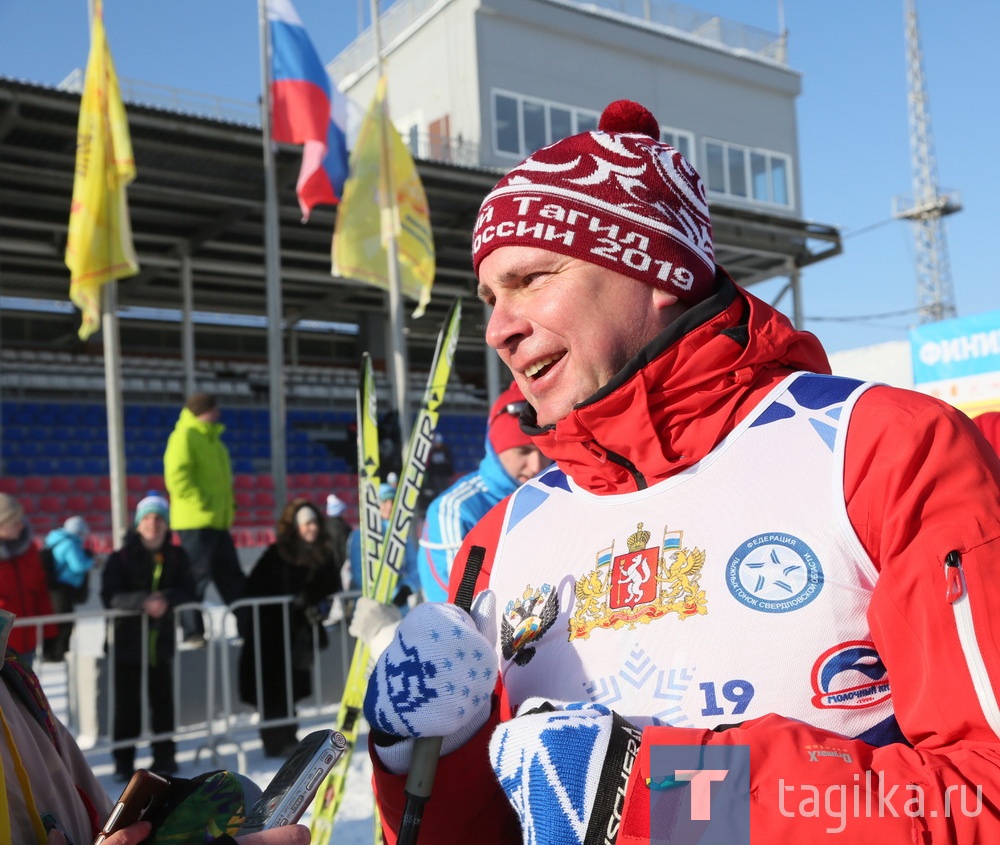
[99,244]
[358,240]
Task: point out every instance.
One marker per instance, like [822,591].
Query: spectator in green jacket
[199,478]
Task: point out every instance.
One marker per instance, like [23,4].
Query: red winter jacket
[23,591]
[920,481]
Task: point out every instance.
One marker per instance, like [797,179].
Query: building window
[756,175]
[681,141]
[525,124]
[535,133]
[506,122]
[587,121]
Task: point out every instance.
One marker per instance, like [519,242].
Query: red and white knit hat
[617,197]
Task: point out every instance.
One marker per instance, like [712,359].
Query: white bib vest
[732,590]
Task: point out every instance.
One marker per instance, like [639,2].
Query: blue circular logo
[774,573]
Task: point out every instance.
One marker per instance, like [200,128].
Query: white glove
[436,678]
[375,624]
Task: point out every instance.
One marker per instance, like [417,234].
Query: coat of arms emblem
[645,583]
[525,620]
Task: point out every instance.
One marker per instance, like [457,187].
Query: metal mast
[935,296]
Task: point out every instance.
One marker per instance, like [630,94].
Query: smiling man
[736,553]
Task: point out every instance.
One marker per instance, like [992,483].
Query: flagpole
[389,215]
[113,398]
[115,412]
[272,264]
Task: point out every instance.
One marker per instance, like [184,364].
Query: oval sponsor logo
[848,676]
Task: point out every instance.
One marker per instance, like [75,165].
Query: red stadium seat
[60,484]
[29,501]
[51,504]
[76,503]
[344,480]
[301,481]
[98,520]
[264,517]
[34,484]
[84,483]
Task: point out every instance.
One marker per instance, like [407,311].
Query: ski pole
[427,749]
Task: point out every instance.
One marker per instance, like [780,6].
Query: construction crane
[927,207]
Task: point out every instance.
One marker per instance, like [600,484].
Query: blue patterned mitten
[435,678]
[564,768]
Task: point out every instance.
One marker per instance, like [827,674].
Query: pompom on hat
[504,431]
[76,525]
[617,197]
[335,505]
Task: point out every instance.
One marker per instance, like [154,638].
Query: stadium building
[474,86]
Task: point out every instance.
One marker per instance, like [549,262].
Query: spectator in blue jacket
[67,562]
[510,460]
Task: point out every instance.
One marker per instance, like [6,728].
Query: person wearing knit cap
[149,575]
[198,474]
[510,459]
[67,562]
[23,587]
[733,549]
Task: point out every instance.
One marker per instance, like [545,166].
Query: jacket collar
[685,391]
[188,419]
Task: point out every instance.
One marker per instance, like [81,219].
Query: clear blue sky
[853,127]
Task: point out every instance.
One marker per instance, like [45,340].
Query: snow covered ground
[354,820]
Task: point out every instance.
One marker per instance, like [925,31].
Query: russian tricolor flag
[304,109]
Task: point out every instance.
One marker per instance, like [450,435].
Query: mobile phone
[295,784]
[143,796]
